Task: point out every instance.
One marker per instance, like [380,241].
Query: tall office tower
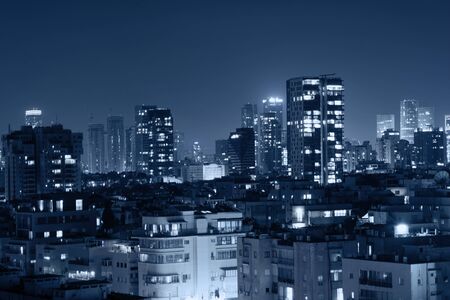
[385,122]
[271,127]
[425,118]
[447,135]
[42,160]
[251,119]
[403,152]
[249,115]
[315,122]
[408,119]
[154,140]
[221,154]
[429,148]
[179,151]
[241,151]
[197,154]
[96,148]
[115,143]
[130,150]
[33,117]
[388,143]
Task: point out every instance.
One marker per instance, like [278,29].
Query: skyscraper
[388,143]
[179,150]
[96,148]
[42,160]
[425,118]
[315,122]
[429,148]
[115,143]
[271,126]
[154,140]
[447,135]
[385,122]
[221,153]
[251,119]
[241,151]
[408,119]
[197,154]
[33,117]
[130,150]
[249,115]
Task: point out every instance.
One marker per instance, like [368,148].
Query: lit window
[59,233]
[79,204]
[46,234]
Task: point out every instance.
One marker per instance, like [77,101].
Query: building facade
[96,148]
[241,152]
[270,135]
[33,117]
[425,118]
[42,160]
[190,255]
[154,140]
[315,122]
[408,119]
[115,143]
[385,122]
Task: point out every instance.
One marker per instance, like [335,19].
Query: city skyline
[224,150]
[384,55]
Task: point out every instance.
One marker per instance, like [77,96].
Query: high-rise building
[154,140]
[221,154]
[179,150]
[315,122]
[270,136]
[388,143]
[251,119]
[249,115]
[241,151]
[96,148]
[33,117]
[197,154]
[385,122]
[425,118]
[429,148]
[130,150]
[408,119]
[115,143]
[42,160]
[447,134]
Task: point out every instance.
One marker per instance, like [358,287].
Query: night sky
[205,59]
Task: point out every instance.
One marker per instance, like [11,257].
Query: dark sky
[205,59]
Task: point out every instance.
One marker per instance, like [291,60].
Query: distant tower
[115,142]
[385,122]
[197,154]
[33,117]
[408,119]
[179,150]
[425,117]
[130,150]
[251,119]
[270,136]
[315,124]
[154,140]
[447,133]
[96,148]
[241,151]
